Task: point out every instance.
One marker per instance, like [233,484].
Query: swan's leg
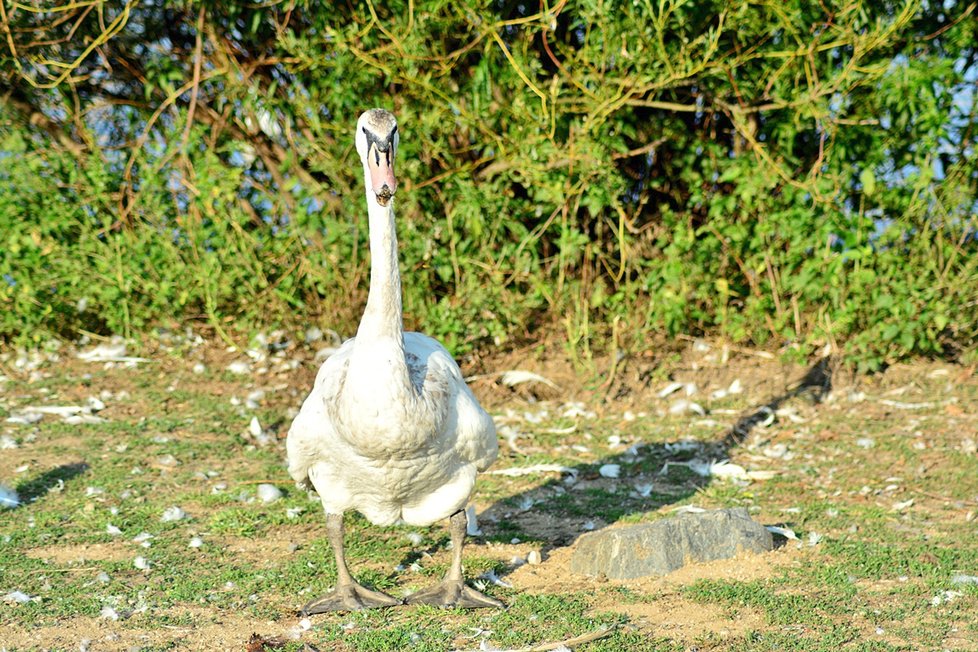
[348,594]
[452,592]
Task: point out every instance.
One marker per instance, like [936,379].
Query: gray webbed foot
[349,597]
[453,593]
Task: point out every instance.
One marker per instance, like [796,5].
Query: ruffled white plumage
[413,458]
[390,428]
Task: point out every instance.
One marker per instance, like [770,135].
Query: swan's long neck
[382,318]
[378,366]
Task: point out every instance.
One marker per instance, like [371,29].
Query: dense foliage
[771,171]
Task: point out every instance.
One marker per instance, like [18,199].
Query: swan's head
[377,143]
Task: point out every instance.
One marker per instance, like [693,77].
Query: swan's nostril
[384,195]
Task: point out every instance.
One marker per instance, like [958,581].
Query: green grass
[874,581]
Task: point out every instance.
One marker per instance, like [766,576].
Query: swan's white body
[390,428]
[388,451]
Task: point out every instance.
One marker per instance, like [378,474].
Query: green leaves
[868,181]
[783,173]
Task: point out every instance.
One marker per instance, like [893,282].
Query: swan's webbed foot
[453,593]
[349,597]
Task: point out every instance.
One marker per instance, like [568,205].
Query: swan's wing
[313,424]
[469,428]
[476,431]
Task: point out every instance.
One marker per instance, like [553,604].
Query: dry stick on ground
[569,643]
[74,569]
[572,642]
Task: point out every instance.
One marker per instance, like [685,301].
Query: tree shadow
[31,490]
[650,476]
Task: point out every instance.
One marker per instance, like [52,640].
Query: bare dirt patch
[665,611]
[64,555]
[672,616]
[203,631]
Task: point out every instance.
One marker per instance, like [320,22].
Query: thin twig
[198,52]
[519,71]
[573,642]
[113,28]
[126,207]
[78,569]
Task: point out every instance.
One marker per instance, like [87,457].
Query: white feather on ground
[8,497]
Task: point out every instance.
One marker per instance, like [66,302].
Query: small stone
[109,613]
[17,597]
[239,367]
[167,460]
[415,538]
[664,546]
[268,493]
[534,558]
[26,417]
[196,542]
[173,514]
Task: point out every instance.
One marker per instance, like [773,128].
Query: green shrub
[773,173]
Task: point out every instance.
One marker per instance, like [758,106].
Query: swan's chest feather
[391,405]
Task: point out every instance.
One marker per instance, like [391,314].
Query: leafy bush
[770,172]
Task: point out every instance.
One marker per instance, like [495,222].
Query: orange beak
[382,180]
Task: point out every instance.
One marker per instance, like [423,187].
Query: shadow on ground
[34,488]
[652,476]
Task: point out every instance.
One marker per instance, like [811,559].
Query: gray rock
[664,546]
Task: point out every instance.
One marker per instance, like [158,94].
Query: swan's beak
[381,167]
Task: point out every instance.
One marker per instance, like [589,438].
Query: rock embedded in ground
[664,546]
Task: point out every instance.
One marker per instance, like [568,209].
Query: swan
[390,429]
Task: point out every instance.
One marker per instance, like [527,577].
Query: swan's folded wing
[476,440]
[312,427]
[474,431]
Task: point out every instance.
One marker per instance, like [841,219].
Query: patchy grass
[881,488]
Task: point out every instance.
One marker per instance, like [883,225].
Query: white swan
[390,428]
